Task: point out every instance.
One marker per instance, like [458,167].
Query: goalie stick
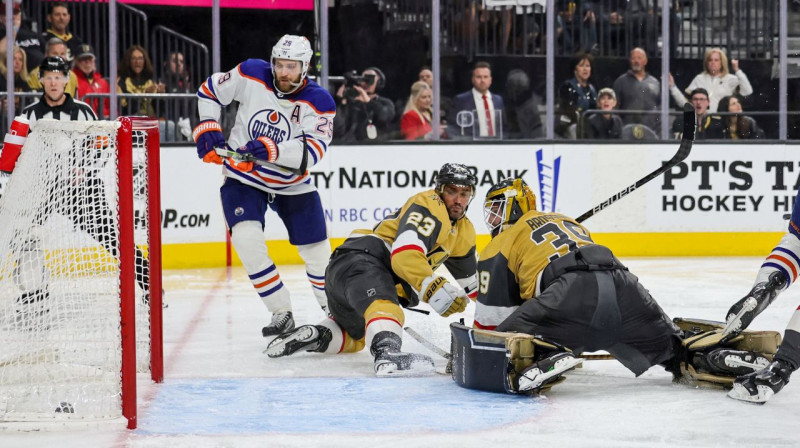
[224,152]
[446,355]
[689,124]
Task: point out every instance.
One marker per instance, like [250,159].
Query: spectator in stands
[479,110]
[416,123]
[55,47]
[362,114]
[20,74]
[522,107]
[24,38]
[736,127]
[136,76]
[89,80]
[574,96]
[715,79]
[708,126]
[176,76]
[176,79]
[604,126]
[638,91]
[58,23]
[576,30]
[426,75]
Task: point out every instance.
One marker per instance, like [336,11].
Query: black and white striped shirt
[70,110]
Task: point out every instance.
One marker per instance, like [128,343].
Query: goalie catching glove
[443,297]
[207,136]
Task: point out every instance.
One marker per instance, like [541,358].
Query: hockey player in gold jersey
[376,272]
[543,275]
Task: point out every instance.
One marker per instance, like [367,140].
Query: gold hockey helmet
[505,204]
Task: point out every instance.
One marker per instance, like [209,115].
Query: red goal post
[80,272]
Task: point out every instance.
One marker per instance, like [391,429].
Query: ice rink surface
[221,391]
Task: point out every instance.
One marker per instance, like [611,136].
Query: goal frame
[125,136]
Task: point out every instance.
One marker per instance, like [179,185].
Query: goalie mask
[505,204]
[294,48]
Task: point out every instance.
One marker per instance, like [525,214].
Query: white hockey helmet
[295,48]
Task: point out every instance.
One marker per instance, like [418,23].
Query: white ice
[221,391]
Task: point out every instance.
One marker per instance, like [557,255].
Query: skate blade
[740,393]
[277,347]
[561,366]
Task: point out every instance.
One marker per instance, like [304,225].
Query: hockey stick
[238,157]
[427,344]
[446,355]
[689,123]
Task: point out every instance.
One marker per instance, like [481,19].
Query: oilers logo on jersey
[271,124]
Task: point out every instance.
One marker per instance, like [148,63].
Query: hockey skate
[760,386]
[311,338]
[547,370]
[726,361]
[390,361]
[281,323]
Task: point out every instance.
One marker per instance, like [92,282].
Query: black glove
[757,300]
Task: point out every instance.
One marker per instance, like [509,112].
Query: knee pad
[248,239]
[316,256]
[493,360]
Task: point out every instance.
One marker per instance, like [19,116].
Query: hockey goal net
[80,272]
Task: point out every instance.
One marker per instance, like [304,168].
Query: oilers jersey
[264,111]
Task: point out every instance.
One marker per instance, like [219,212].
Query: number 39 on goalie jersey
[511,265]
[284,118]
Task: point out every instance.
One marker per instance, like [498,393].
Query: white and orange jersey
[284,118]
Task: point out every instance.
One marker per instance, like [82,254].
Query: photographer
[362,113]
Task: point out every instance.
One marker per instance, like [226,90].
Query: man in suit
[477,112]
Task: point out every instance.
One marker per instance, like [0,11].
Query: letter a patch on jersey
[295,118]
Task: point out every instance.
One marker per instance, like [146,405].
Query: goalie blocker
[507,362]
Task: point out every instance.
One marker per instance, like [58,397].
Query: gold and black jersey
[511,265]
[417,239]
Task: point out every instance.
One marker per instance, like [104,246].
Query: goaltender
[543,275]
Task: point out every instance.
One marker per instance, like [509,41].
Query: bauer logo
[271,124]
[547,169]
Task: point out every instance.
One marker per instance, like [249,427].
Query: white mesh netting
[59,274]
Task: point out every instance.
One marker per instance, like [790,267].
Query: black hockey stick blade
[689,124]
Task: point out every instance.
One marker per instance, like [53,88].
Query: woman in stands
[418,114]
[716,79]
[20,72]
[737,126]
[136,76]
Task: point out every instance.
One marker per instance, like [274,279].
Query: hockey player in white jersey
[282,115]
[778,271]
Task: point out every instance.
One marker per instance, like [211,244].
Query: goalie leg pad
[707,359]
[494,361]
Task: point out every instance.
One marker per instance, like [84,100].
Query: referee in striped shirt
[55,103]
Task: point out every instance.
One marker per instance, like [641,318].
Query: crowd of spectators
[136,74]
[628,109]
